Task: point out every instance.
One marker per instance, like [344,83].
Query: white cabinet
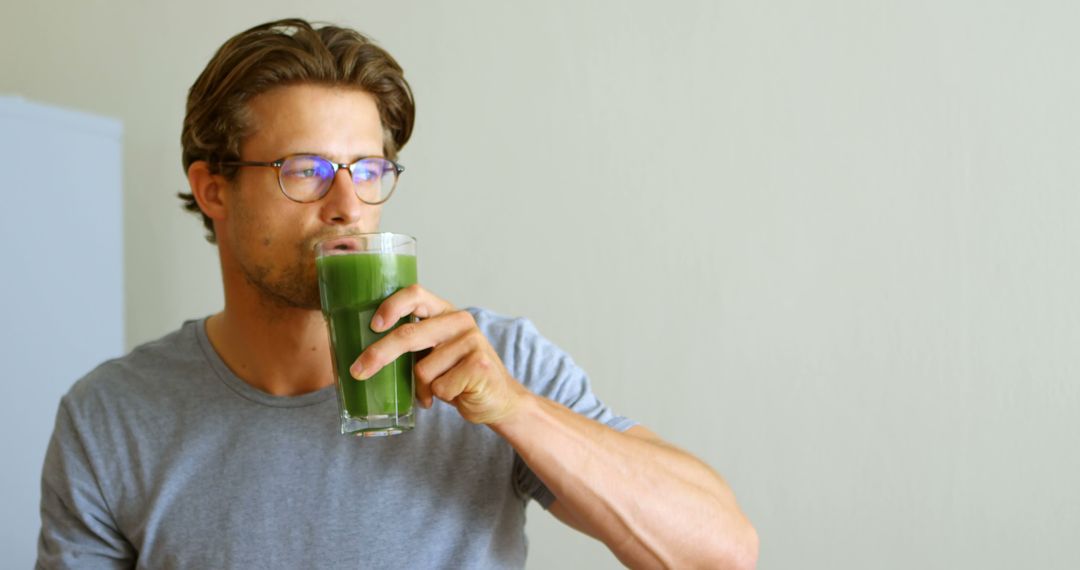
[61,290]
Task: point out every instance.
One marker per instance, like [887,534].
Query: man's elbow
[746,554]
[739,553]
[738,550]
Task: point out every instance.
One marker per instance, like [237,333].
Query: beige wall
[830,246]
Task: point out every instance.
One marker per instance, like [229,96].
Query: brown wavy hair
[285,52]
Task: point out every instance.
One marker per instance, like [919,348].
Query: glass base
[377,425]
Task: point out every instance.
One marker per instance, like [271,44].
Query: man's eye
[304,169]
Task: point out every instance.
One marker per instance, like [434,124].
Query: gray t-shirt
[165,459]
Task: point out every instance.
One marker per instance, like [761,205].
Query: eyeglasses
[308,177]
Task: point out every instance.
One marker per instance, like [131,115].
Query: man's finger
[439,362]
[409,337]
[453,383]
[412,300]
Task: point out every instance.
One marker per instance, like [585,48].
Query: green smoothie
[352,286]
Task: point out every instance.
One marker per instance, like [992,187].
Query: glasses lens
[306,178]
[375,179]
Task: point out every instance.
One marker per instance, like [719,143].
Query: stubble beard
[294,286]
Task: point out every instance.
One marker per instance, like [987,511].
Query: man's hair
[285,52]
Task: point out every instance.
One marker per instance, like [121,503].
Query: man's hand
[462,368]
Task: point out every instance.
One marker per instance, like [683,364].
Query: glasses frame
[338,166]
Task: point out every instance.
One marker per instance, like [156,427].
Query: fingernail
[356,370]
[376,323]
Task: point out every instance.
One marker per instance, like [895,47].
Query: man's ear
[209,190]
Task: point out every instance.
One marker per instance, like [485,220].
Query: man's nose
[341,205]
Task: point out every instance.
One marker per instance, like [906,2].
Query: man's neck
[279,350]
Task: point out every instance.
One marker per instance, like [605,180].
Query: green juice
[351,287]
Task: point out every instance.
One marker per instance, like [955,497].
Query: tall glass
[356,273]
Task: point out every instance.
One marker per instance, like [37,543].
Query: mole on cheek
[266,241]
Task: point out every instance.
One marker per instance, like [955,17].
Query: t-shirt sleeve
[77,527]
[548,371]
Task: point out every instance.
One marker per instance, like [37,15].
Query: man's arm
[77,528]
[651,504]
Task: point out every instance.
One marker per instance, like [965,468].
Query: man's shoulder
[542,366]
[514,338]
[138,372]
[496,325]
[528,355]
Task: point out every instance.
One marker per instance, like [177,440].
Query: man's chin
[290,295]
[307,304]
[308,300]
[285,300]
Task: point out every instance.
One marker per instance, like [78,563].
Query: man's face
[270,237]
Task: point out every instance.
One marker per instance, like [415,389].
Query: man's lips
[339,242]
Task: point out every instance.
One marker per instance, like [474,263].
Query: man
[216,447]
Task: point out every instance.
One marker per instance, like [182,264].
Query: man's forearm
[650,503]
